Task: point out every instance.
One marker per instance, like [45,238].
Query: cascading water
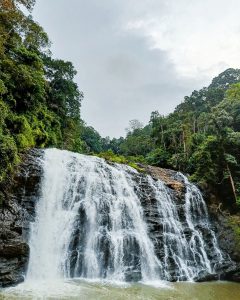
[90,223]
[185,252]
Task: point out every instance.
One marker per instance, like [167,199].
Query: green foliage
[92,140]
[120,159]
[158,157]
[73,135]
[3,89]
[238,202]
[63,95]
[8,155]
[234,222]
[206,159]
[39,100]
[225,79]
[14,4]
[201,137]
[138,140]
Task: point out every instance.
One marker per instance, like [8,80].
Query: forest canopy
[201,138]
[39,100]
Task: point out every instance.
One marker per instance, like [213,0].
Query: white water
[186,251]
[90,223]
[73,181]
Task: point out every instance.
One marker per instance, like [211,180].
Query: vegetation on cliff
[39,101]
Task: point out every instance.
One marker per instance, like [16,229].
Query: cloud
[134,57]
[200,37]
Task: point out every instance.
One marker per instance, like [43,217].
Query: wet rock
[11,279]
[14,248]
[133,276]
[156,227]
[227,228]
[232,273]
[169,177]
[206,277]
[15,217]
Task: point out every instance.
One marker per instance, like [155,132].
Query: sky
[138,56]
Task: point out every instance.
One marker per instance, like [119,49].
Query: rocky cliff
[226,225]
[19,210]
[16,213]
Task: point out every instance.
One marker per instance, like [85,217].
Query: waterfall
[91,223]
[186,253]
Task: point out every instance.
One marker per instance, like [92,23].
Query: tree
[14,4]
[39,100]
[92,139]
[134,125]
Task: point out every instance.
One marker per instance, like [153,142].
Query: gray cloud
[122,77]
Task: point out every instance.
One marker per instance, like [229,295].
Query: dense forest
[40,107]
[201,138]
[39,101]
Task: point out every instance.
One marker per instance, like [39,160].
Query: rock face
[169,177]
[15,218]
[227,229]
[226,226]
[19,211]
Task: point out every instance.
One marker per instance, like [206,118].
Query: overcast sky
[137,56]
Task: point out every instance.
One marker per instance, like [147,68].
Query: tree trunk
[162,137]
[232,183]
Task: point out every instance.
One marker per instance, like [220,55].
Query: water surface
[86,290]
